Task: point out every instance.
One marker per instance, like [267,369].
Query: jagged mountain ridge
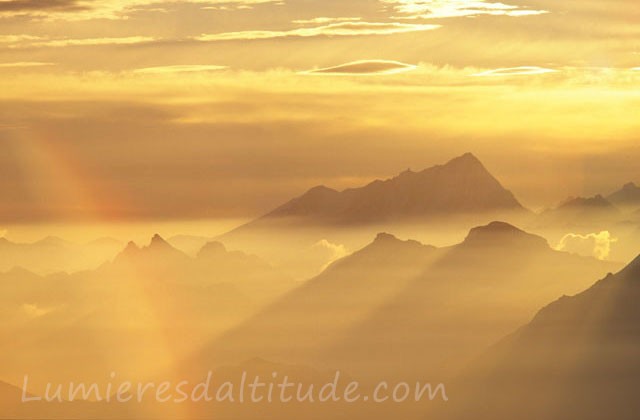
[628,195]
[461,186]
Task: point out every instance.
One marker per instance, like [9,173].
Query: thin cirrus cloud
[515,71]
[20,41]
[334,29]
[364,68]
[433,9]
[181,68]
[19,64]
[18,38]
[325,20]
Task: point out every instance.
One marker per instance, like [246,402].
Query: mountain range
[140,311]
[399,308]
[594,212]
[53,254]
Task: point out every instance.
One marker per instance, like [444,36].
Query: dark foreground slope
[579,358]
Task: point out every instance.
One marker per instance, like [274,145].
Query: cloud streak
[515,71]
[183,68]
[365,68]
[19,64]
[325,20]
[435,9]
[26,41]
[334,29]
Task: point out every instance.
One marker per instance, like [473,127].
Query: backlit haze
[441,191]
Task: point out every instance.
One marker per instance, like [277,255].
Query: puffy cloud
[594,244]
[336,251]
[333,29]
[365,67]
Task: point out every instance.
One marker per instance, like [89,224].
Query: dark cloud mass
[37,5]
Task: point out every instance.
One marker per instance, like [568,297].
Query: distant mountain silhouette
[461,186]
[399,307]
[53,254]
[627,196]
[158,252]
[578,358]
[595,202]
[596,211]
[500,234]
[148,300]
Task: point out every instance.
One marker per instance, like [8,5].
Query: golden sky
[138,109]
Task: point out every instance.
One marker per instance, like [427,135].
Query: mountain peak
[130,252]
[387,241]
[158,251]
[319,189]
[158,242]
[466,163]
[467,158]
[628,195]
[131,246]
[462,186]
[501,233]
[213,248]
[386,237]
[52,241]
